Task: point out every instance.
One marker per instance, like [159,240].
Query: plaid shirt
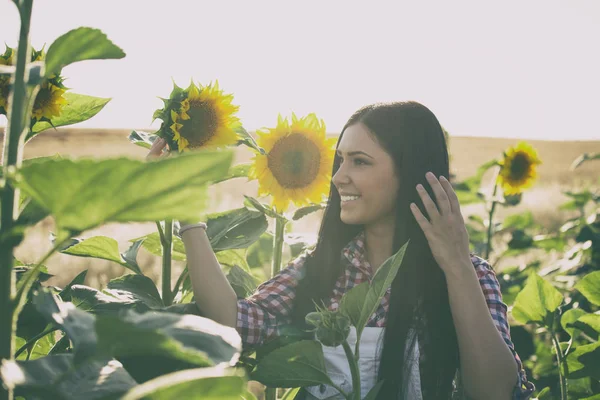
[261,315]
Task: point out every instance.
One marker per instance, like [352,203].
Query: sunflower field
[134,339]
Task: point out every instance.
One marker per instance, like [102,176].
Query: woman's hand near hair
[213,294]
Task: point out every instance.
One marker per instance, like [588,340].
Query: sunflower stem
[488,245]
[12,158]
[271,393]
[562,366]
[167,248]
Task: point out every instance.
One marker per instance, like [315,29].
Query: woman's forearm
[213,294]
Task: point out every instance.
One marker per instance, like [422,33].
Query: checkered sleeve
[261,315]
[498,309]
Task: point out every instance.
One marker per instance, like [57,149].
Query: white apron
[339,370]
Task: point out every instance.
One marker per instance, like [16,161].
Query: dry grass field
[467,154]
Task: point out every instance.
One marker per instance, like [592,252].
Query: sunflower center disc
[42,99]
[519,166]
[202,125]
[294,161]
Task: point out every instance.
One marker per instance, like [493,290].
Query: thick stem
[353,370]
[488,246]
[561,364]
[167,248]
[12,156]
[277,246]
[271,393]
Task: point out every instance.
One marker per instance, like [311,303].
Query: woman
[388,186]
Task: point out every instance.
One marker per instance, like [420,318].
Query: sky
[514,69]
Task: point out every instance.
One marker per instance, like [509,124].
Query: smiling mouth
[349,199]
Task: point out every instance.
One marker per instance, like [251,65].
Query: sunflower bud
[331,327]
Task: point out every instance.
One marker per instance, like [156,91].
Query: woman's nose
[340,177]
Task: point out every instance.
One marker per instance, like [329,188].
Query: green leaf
[78,45]
[360,302]
[104,248]
[215,383]
[248,140]
[518,221]
[584,361]
[260,253]
[65,294]
[241,281]
[589,286]
[78,108]
[304,211]
[569,317]
[537,302]
[233,257]
[298,364]
[77,324]
[86,193]
[235,229]
[58,377]
[142,139]
[139,287]
[169,342]
[251,202]
[291,394]
[237,171]
[590,320]
[106,302]
[151,243]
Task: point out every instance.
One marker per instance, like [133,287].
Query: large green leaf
[187,337]
[78,45]
[214,383]
[78,108]
[105,302]
[86,193]
[58,377]
[232,257]
[537,302]
[235,229]
[568,318]
[167,342]
[151,242]
[589,286]
[585,361]
[139,287]
[298,364]
[241,281]
[105,248]
[589,323]
[360,302]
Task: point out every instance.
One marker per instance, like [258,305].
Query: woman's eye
[358,161]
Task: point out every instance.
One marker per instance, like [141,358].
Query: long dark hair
[414,138]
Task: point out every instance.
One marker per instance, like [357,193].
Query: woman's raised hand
[158,150]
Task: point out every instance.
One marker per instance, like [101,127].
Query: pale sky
[517,69]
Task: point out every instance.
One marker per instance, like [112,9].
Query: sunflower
[5,59]
[48,102]
[518,168]
[297,164]
[199,116]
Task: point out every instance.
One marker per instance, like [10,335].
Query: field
[467,154]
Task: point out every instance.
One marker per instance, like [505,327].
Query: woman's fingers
[158,149]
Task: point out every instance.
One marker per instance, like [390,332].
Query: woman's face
[366,179]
